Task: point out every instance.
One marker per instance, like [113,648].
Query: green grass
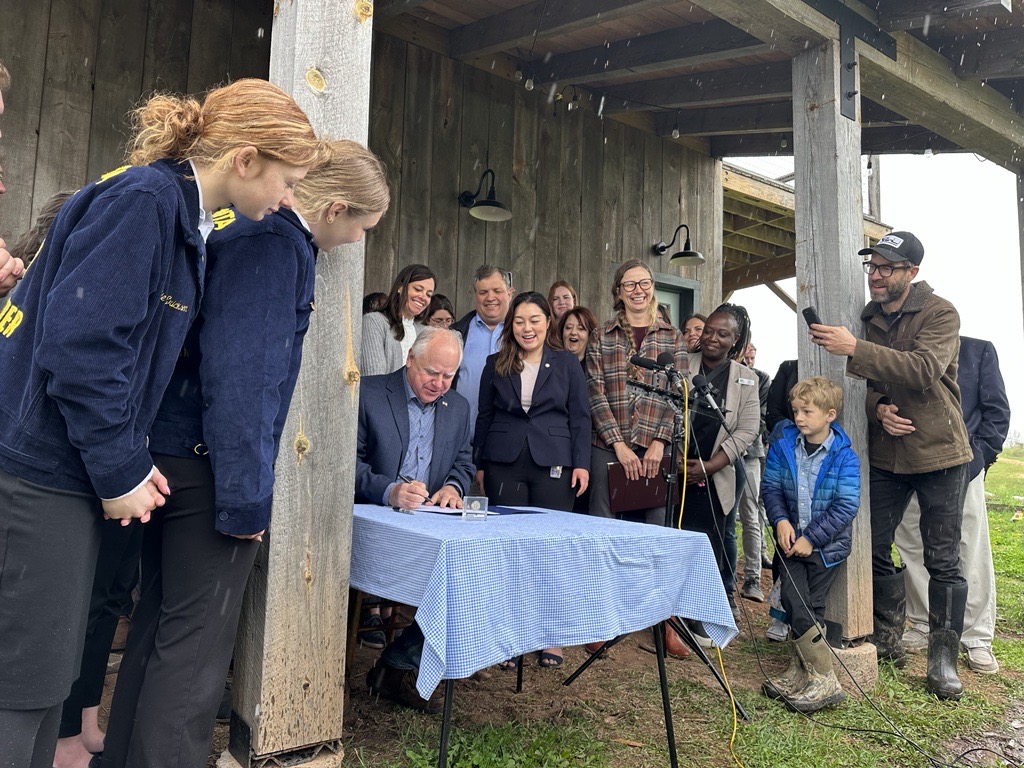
[508,745]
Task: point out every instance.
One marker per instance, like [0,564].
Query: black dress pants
[183,631]
[523,482]
[116,569]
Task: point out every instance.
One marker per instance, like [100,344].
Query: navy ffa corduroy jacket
[236,373]
[557,427]
[91,335]
[836,496]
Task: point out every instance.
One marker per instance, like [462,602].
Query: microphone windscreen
[666,359]
[644,362]
[700,382]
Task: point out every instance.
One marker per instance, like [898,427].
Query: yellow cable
[732,701]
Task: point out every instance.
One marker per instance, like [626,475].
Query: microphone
[667,359]
[646,362]
[702,387]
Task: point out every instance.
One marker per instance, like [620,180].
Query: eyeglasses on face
[441,322]
[630,285]
[885,270]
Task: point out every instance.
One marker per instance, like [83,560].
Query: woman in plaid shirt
[630,426]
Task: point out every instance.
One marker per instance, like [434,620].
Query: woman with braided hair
[711,495]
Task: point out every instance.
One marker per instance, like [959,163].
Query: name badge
[746,382]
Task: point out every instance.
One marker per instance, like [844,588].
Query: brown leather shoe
[399,685]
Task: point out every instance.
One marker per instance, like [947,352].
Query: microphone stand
[677,402]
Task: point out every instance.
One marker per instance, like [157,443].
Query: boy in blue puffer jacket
[811,492]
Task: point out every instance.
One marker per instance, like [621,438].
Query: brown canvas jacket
[913,365]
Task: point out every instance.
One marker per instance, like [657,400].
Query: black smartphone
[811,316]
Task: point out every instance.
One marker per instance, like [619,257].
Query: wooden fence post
[290,658]
[829,232]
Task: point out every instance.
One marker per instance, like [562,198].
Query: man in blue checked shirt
[413,448]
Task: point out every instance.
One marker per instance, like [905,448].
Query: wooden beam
[707,42]
[758,248]
[718,88]
[757,274]
[922,85]
[388,8]
[540,20]
[774,238]
[882,140]
[721,121]
[775,288]
[790,26]
[928,14]
[738,182]
[829,232]
[418,32]
[994,55]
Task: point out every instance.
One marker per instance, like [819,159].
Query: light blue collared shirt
[416,463]
[205,219]
[481,341]
[807,476]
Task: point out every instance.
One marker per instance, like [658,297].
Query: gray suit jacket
[383,438]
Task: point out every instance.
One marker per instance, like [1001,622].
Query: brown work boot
[399,685]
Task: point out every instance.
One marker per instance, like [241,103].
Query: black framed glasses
[885,270]
[629,285]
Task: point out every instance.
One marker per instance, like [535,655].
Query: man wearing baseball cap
[917,442]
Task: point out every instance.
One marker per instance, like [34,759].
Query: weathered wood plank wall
[79,66]
[585,193]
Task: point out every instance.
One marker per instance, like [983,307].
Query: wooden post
[829,232]
[290,658]
[1020,222]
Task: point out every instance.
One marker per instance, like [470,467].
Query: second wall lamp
[684,258]
[488,209]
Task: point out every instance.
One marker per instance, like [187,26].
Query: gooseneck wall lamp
[684,258]
[487,209]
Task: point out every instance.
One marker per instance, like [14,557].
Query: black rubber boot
[890,614]
[946,604]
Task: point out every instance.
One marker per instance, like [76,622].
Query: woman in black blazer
[532,436]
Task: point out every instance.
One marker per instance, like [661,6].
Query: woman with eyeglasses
[631,427]
[441,312]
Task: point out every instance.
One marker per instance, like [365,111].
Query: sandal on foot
[507,664]
[549,660]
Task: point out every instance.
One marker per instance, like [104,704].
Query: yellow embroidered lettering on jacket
[10,319]
[222,217]
[170,302]
[113,173]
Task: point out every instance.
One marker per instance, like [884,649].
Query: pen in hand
[410,481]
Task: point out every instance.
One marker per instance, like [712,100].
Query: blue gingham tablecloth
[490,590]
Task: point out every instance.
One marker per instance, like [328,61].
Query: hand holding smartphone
[811,316]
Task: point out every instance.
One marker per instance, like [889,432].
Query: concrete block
[861,665]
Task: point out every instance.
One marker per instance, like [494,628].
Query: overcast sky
[965,213]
